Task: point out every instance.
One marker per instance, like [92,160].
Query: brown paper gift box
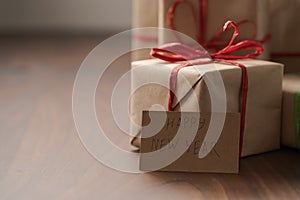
[263,115]
[144,14]
[285,32]
[218,12]
[291,85]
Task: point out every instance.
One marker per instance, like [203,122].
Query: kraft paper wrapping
[263,115]
[291,86]
[144,14]
[218,12]
[285,32]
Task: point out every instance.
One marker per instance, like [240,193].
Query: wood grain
[41,156]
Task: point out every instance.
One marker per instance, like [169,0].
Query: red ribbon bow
[175,52]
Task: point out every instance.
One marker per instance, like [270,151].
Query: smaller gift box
[263,114]
[290,111]
[194,80]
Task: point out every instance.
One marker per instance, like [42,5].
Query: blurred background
[42,45]
[64,16]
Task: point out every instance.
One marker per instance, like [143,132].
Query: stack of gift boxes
[257,85]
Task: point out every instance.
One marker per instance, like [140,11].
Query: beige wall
[65,15]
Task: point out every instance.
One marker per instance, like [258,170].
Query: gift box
[263,114]
[210,15]
[285,31]
[290,111]
[144,14]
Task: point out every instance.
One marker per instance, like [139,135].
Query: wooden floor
[41,156]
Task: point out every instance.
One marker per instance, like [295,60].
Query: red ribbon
[175,52]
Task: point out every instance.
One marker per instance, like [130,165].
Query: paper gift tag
[171,141]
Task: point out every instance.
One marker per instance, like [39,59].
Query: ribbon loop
[175,52]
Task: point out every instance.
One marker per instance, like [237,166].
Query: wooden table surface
[41,156]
